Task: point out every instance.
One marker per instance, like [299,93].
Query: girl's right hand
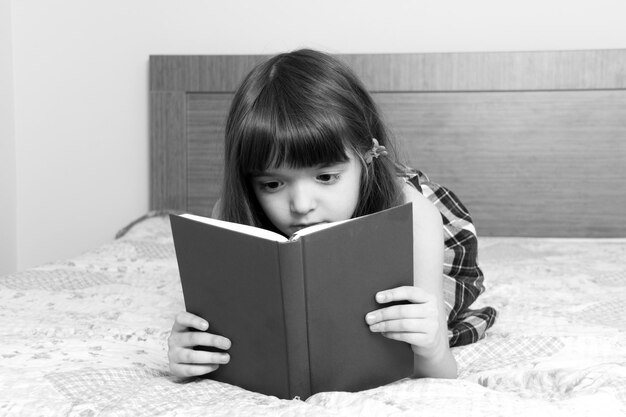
[189,331]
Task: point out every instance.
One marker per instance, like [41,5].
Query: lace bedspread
[87,336]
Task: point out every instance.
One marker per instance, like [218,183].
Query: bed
[533,142]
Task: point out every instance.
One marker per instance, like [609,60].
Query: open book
[295,308]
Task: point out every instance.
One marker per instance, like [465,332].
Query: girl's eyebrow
[270,173]
[330,164]
[254,174]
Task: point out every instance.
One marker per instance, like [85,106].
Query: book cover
[295,308]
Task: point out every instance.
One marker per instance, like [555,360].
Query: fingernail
[224,345]
[204,325]
[370,317]
[374,327]
[381,297]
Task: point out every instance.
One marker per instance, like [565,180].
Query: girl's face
[294,198]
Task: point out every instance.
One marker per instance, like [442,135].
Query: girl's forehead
[286,167]
[280,157]
[314,158]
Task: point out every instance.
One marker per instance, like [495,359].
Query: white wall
[80,84]
[8,196]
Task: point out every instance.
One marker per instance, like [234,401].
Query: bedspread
[88,336]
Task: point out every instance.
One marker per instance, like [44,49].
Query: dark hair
[302,109]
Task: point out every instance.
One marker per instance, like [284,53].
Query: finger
[198,357]
[416,339]
[189,339]
[403,311]
[185,370]
[408,293]
[185,320]
[404,325]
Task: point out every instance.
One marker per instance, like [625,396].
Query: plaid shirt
[462,277]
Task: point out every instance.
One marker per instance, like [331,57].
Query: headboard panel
[533,142]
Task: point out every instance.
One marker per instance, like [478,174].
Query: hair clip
[376,151]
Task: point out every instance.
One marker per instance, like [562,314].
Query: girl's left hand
[417,323]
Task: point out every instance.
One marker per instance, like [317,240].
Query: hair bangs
[296,137]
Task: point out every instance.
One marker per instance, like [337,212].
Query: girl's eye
[270,186]
[328,178]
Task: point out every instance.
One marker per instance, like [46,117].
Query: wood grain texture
[206,120]
[532,142]
[193,73]
[525,164]
[492,71]
[168,151]
[472,71]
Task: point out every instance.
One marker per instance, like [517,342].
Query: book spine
[294,306]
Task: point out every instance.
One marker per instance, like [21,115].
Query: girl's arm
[423,323]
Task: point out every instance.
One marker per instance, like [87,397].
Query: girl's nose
[302,200]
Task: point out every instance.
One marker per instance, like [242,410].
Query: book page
[241,228]
[316,228]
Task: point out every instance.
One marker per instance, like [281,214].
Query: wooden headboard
[533,142]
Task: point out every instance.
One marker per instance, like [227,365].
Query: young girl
[305,144]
